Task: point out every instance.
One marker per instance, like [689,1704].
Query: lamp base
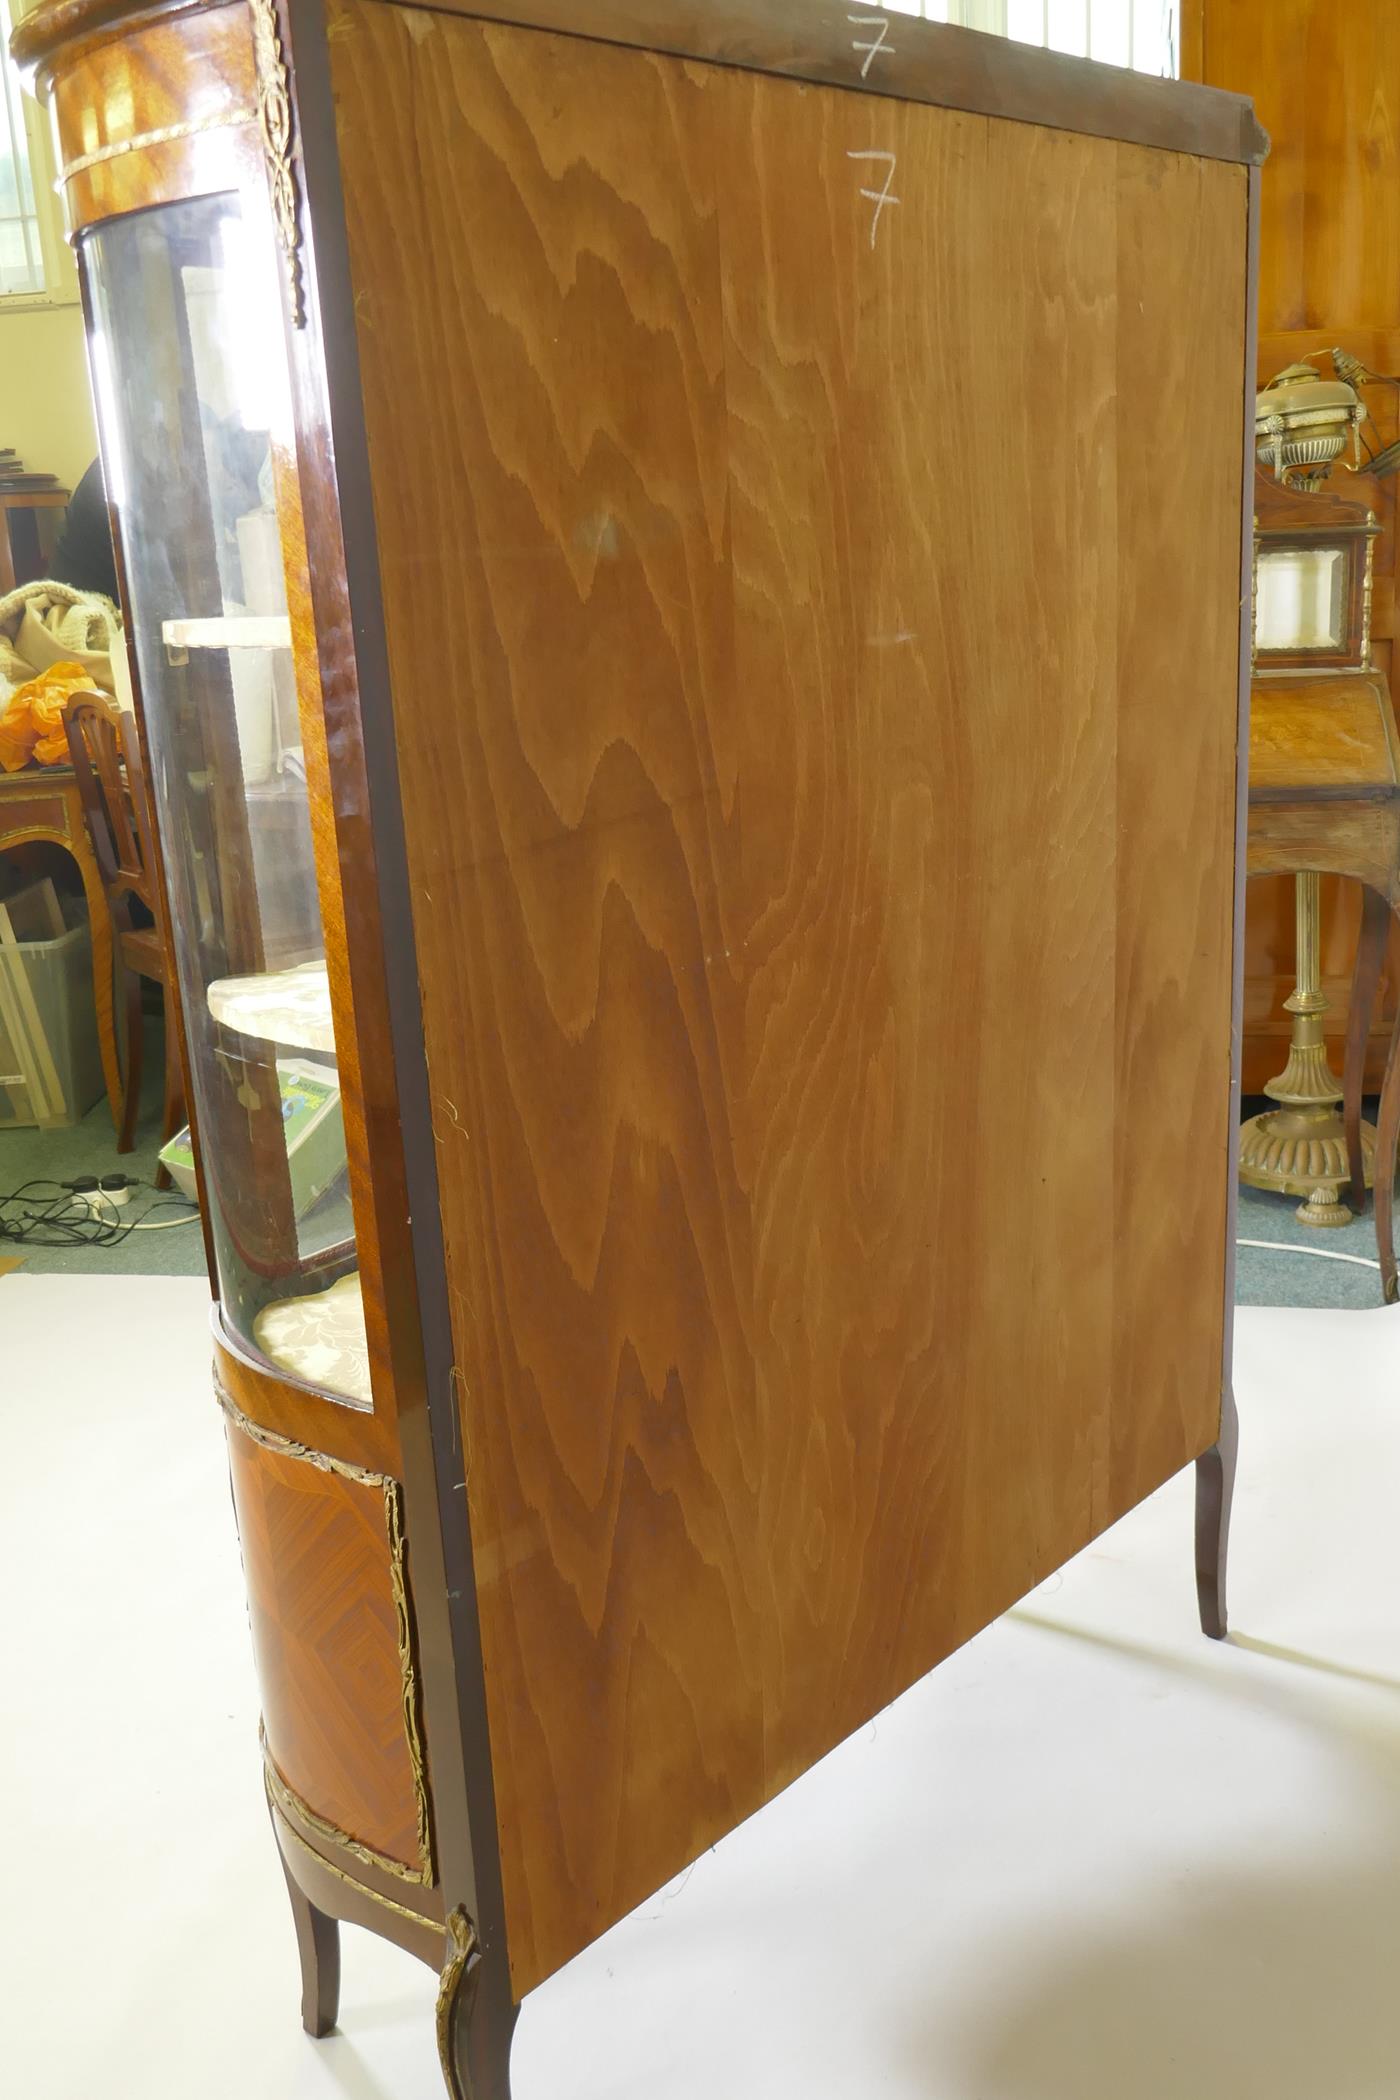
[1297,1151]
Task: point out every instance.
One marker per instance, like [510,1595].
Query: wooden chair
[112,784]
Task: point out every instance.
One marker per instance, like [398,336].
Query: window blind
[21,250]
[1138,33]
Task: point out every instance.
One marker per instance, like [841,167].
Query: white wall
[45,399]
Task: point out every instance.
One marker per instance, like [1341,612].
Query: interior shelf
[321,1337]
[229,631]
[289,1007]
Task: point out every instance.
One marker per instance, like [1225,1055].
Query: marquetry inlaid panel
[319,1556]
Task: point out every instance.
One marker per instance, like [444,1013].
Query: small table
[43,802]
[20,545]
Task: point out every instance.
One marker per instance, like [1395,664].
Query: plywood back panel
[812,589]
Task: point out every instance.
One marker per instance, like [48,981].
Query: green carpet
[90,1147]
[1265,1276]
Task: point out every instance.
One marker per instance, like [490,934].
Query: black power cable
[65,1217]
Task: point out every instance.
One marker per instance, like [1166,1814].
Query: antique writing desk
[755,686]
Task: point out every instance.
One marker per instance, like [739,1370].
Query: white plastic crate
[50,1062]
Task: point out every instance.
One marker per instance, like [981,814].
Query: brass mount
[1300,1148]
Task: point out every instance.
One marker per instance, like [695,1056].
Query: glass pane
[1111,32]
[14,257]
[1298,601]
[190,369]
[21,264]
[1067,26]
[1154,37]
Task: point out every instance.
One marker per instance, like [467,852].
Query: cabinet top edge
[918,61]
[59,26]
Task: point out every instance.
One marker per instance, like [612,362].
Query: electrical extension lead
[86,1213]
[103,1195]
[1362,1261]
[145,1223]
[102,1198]
[51,1217]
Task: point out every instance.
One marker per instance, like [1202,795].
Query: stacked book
[15,478]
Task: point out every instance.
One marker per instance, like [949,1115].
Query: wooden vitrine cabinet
[686,566]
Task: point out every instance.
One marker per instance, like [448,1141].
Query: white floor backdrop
[1092,1858]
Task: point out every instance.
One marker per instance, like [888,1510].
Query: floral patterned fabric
[283,1006]
[42,624]
[320,1338]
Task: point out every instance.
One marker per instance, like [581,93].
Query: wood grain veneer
[1361,839]
[814,695]
[1333,735]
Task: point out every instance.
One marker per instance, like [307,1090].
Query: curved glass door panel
[190,369]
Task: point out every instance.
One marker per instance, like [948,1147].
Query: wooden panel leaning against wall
[1326,86]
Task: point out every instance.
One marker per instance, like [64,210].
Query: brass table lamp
[1300,1147]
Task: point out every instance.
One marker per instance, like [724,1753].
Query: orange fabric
[31,728]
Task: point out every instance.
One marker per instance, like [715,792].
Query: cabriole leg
[455,2004]
[456,1998]
[1215,1491]
[318,1944]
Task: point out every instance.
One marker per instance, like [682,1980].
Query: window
[1137,33]
[36,267]
[23,270]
